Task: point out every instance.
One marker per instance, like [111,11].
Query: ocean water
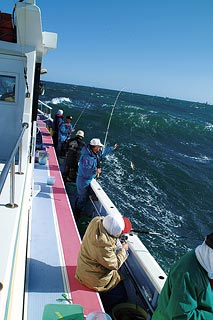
[170,143]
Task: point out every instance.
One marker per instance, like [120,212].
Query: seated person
[101,256]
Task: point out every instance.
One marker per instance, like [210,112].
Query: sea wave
[61,100]
[209,127]
[202,158]
[170,143]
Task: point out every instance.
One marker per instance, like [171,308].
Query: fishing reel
[123,238]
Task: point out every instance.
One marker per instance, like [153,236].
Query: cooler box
[63,311]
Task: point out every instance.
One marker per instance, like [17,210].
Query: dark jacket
[74,147]
[57,122]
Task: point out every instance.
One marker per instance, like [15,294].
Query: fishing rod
[110,118]
[160,234]
[87,104]
[128,224]
[145,232]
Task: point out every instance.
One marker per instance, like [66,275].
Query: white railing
[45,109]
[10,166]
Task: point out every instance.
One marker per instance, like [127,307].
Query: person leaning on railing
[101,256]
[89,168]
[188,290]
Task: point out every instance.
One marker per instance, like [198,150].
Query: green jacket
[98,261]
[187,293]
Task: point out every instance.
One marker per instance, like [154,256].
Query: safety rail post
[20,159]
[10,166]
[12,203]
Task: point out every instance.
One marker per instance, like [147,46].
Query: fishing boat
[39,237]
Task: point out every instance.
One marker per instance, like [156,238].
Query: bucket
[98,315]
[50,180]
[42,157]
[128,311]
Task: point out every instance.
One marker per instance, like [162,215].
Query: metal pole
[12,186]
[20,159]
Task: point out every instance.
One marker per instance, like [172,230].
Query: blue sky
[156,47]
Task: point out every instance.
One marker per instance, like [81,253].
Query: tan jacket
[98,262]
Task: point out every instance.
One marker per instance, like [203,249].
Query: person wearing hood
[188,291]
[101,256]
[89,167]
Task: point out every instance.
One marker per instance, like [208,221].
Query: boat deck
[54,244]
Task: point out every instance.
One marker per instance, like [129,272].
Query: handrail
[47,110]
[11,164]
[44,104]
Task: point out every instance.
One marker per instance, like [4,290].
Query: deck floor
[54,245]
[45,272]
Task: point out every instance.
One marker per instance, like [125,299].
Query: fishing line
[132,165]
[110,118]
[129,226]
[87,104]
[160,234]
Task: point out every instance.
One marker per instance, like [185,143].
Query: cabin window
[7,88]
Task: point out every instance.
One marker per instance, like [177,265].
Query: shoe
[93,197]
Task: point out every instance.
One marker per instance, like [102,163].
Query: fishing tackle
[110,118]
[87,104]
[161,234]
[127,221]
[123,238]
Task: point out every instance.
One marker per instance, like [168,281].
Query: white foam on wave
[202,158]
[209,127]
[60,100]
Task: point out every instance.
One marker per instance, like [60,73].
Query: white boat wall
[22,45]
[39,239]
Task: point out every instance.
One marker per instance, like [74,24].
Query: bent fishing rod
[110,118]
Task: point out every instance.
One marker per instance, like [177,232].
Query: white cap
[60,112]
[80,133]
[114,224]
[96,142]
